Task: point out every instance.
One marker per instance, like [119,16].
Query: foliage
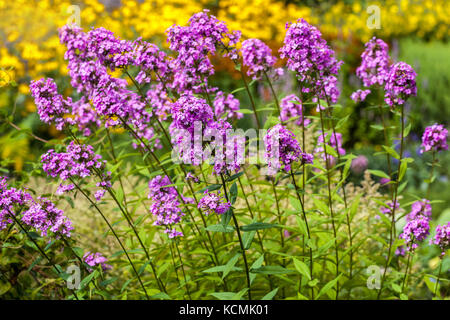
[309,226]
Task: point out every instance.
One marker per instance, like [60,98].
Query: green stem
[42,252]
[330,201]
[238,231]
[431,174]
[115,235]
[275,98]
[438,277]
[311,262]
[407,269]
[394,201]
[182,270]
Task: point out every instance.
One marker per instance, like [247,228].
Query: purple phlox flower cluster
[415,231]
[282,149]
[190,115]
[10,199]
[359,95]
[165,205]
[400,251]
[85,69]
[313,61]
[85,116]
[359,164]
[89,55]
[421,208]
[190,176]
[442,238]
[54,109]
[79,161]
[44,216]
[151,60]
[213,203]
[417,226]
[434,138]
[228,105]
[389,208]
[257,56]
[160,101]
[374,66]
[229,149]
[193,43]
[110,51]
[189,109]
[291,106]
[400,84]
[335,142]
[96,259]
[41,215]
[51,106]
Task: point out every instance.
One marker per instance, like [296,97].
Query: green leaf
[226,217]
[377,127]
[35,262]
[233,193]
[258,226]
[88,279]
[221,269]
[302,268]
[247,239]
[210,188]
[379,173]
[342,121]
[407,130]
[271,270]
[302,226]
[223,295]
[220,228]
[322,206]
[403,167]
[328,286]
[4,287]
[392,152]
[119,195]
[396,287]
[230,264]
[235,176]
[245,111]
[313,283]
[270,295]
[240,294]
[330,151]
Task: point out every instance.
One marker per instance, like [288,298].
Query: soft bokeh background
[417,32]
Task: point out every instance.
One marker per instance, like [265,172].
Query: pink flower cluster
[400,84]
[42,215]
[374,66]
[313,61]
[257,56]
[442,237]
[165,205]
[291,106]
[213,203]
[96,259]
[417,226]
[79,161]
[226,105]
[335,142]
[359,95]
[434,138]
[193,43]
[283,149]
